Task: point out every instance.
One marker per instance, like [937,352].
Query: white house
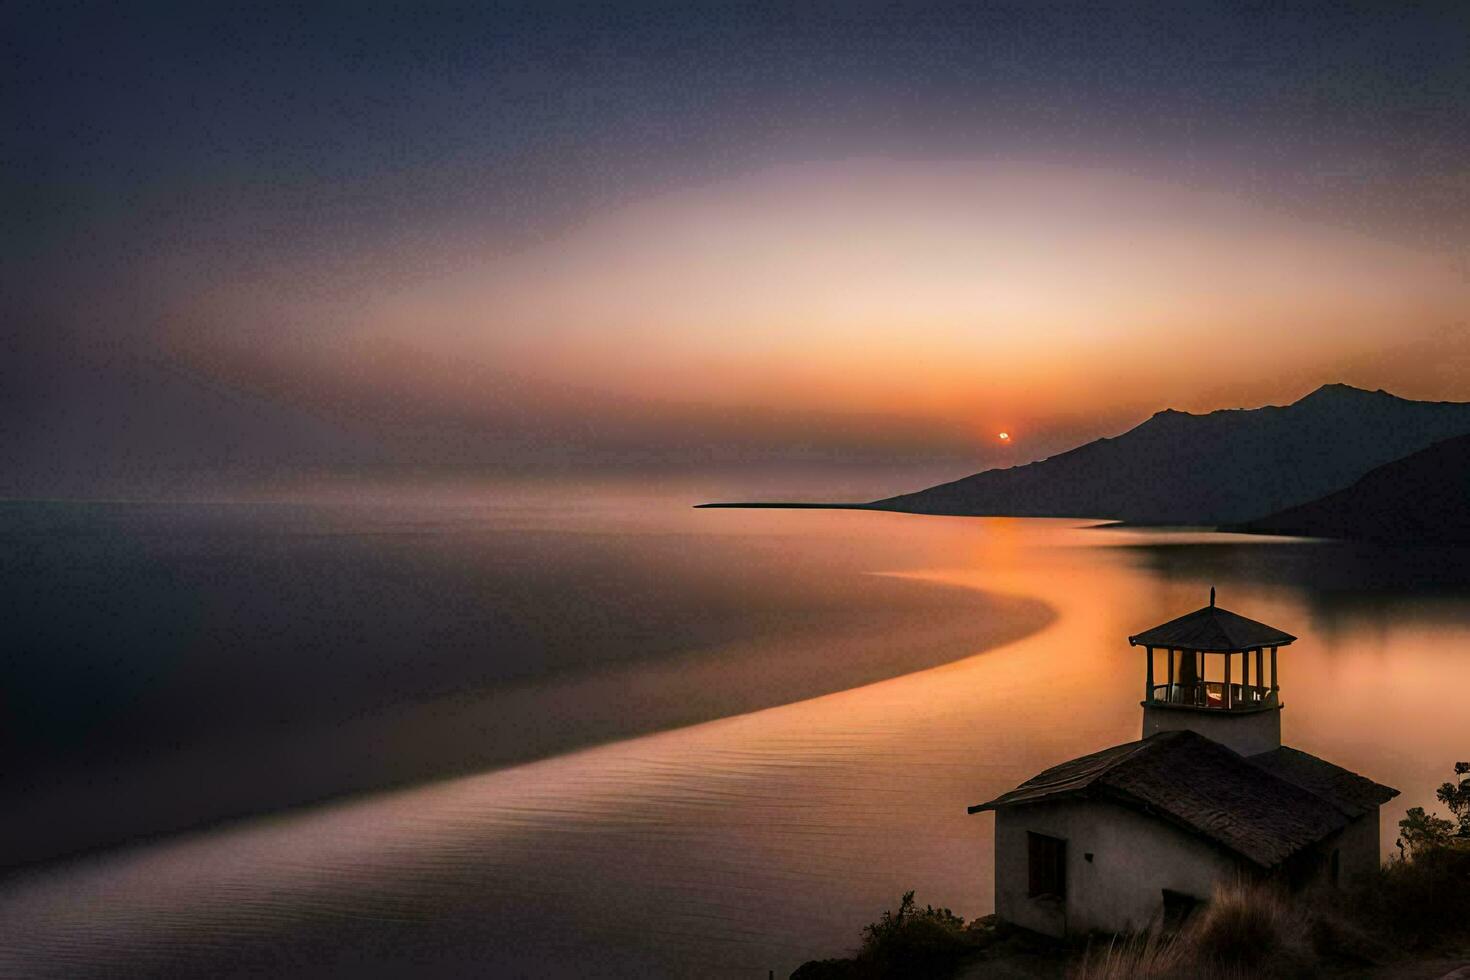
[1115,840]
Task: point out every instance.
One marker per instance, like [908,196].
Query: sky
[255,243]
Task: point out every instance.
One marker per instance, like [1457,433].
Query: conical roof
[1213,630]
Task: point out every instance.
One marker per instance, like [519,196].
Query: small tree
[1456,796]
[1421,832]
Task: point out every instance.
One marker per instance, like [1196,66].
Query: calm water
[747,731]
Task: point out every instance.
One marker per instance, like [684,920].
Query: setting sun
[1005,437]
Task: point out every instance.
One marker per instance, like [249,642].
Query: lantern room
[1214,672]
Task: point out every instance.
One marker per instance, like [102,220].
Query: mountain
[1225,467]
[1423,497]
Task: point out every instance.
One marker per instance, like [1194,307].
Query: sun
[1005,437]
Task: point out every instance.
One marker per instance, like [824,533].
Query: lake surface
[608,735]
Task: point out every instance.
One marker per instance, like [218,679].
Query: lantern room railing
[1185,684]
[1213,694]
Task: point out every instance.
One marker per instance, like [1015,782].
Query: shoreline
[512,725]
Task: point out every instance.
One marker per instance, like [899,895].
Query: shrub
[910,942]
[1420,902]
[1423,898]
[912,935]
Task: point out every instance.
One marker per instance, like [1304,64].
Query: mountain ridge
[1420,498]
[1227,466]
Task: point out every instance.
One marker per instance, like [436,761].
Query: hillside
[1423,497]
[1221,468]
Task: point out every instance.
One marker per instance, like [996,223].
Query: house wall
[1247,732]
[1357,846]
[1134,858]
[1357,851]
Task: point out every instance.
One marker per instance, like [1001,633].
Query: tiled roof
[1211,791]
[1353,794]
[1212,628]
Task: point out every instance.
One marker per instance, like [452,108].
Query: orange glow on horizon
[885,288]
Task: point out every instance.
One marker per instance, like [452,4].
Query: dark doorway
[1047,862]
[1178,907]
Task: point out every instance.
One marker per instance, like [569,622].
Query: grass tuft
[1246,930]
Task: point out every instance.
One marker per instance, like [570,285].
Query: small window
[1047,861]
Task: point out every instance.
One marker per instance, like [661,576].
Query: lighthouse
[1143,832]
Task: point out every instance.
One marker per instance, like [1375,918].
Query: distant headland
[794,505]
[1234,468]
